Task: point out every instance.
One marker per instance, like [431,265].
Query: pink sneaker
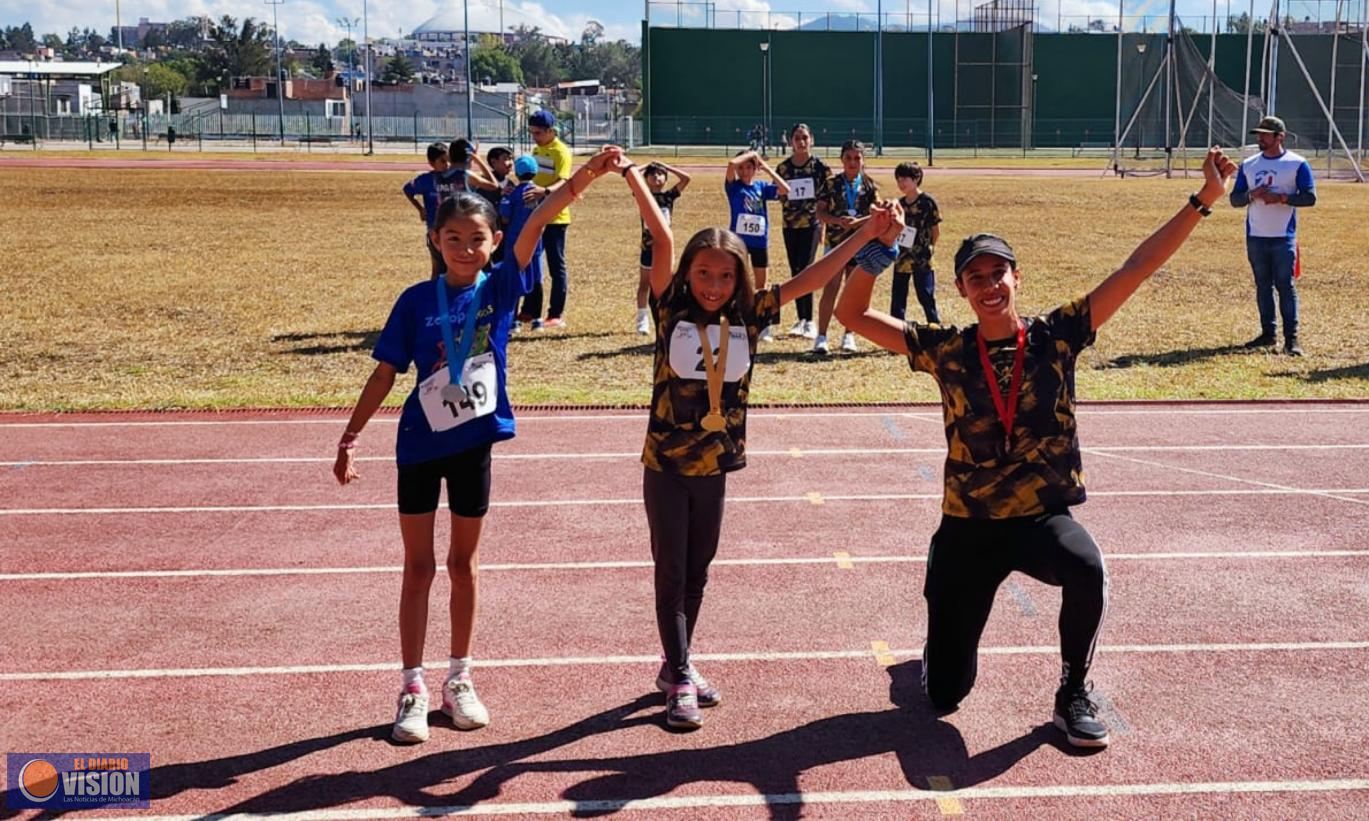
[554,322]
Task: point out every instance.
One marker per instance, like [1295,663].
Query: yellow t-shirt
[553,164]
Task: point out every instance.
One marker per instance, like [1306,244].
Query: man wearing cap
[1274,183]
[1013,465]
[554,168]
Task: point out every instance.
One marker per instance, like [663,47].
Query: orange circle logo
[38,780]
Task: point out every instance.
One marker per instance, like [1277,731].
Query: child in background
[808,178]
[916,245]
[1013,463]
[514,210]
[708,322]
[656,175]
[453,416]
[499,161]
[460,176]
[750,218]
[422,192]
[848,198]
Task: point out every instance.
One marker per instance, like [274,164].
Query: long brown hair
[744,296]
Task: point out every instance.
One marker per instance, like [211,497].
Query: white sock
[414,676]
[641,313]
[458,666]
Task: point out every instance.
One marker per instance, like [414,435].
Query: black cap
[977,245]
[1269,125]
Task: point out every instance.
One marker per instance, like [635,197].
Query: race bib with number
[479,382]
[801,189]
[908,237]
[686,355]
[751,225]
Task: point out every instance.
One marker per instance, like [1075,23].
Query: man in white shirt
[1274,183]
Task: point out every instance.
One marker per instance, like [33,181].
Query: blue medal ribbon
[852,192]
[456,362]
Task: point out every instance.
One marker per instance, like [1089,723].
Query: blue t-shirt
[425,185]
[413,334]
[747,202]
[514,213]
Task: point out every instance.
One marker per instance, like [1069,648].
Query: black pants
[801,246]
[554,241]
[685,514]
[970,558]
[925,282]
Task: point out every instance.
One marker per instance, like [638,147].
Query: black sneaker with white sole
[1077,715]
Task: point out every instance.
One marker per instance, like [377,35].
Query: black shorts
[468,484]
[646,257]
[760,257]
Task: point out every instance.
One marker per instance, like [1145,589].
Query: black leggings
[970,558]
[685,514]
[801,246]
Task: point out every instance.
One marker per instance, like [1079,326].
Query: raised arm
[877,227]
[780,183]
[662,238]
[736,162]
[560,197]
[1105,299]
[681,178]
[853,307]
[479,180]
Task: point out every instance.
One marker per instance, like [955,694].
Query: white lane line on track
[1226,477]
[813,799]
[931,412]
[862,654]
[1105,450]
[871,497]
[196,573]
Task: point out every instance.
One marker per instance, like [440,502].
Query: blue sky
[315,20]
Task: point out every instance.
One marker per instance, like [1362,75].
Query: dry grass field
[218,289]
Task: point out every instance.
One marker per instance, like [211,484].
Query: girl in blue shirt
[455,331]
[746,197]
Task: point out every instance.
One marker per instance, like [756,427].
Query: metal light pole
[879,78]
[931,110]
[470,92]
[765,93]
[280,81]
[118,26]
[349,24]
[366,35]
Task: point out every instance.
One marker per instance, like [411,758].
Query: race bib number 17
[801,189]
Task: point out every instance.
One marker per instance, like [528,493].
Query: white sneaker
[820,345]
[848,342]
[411,719]
[516,329]
[462,705]
[767,335]
[643,322]
[799,327]
[810,330]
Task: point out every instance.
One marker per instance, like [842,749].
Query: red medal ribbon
[1008,413]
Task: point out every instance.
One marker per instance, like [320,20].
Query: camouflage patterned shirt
[1042,470]
[803,213]
[837,198]
[675,441]
[666,201]
[921,214]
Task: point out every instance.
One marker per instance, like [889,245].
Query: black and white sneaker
[1077,715]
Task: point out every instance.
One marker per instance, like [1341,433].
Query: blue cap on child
[525,166]
[541,118]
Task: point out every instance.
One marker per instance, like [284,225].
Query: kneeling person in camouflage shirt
[1013,467]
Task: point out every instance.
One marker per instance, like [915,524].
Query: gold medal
[714,422]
